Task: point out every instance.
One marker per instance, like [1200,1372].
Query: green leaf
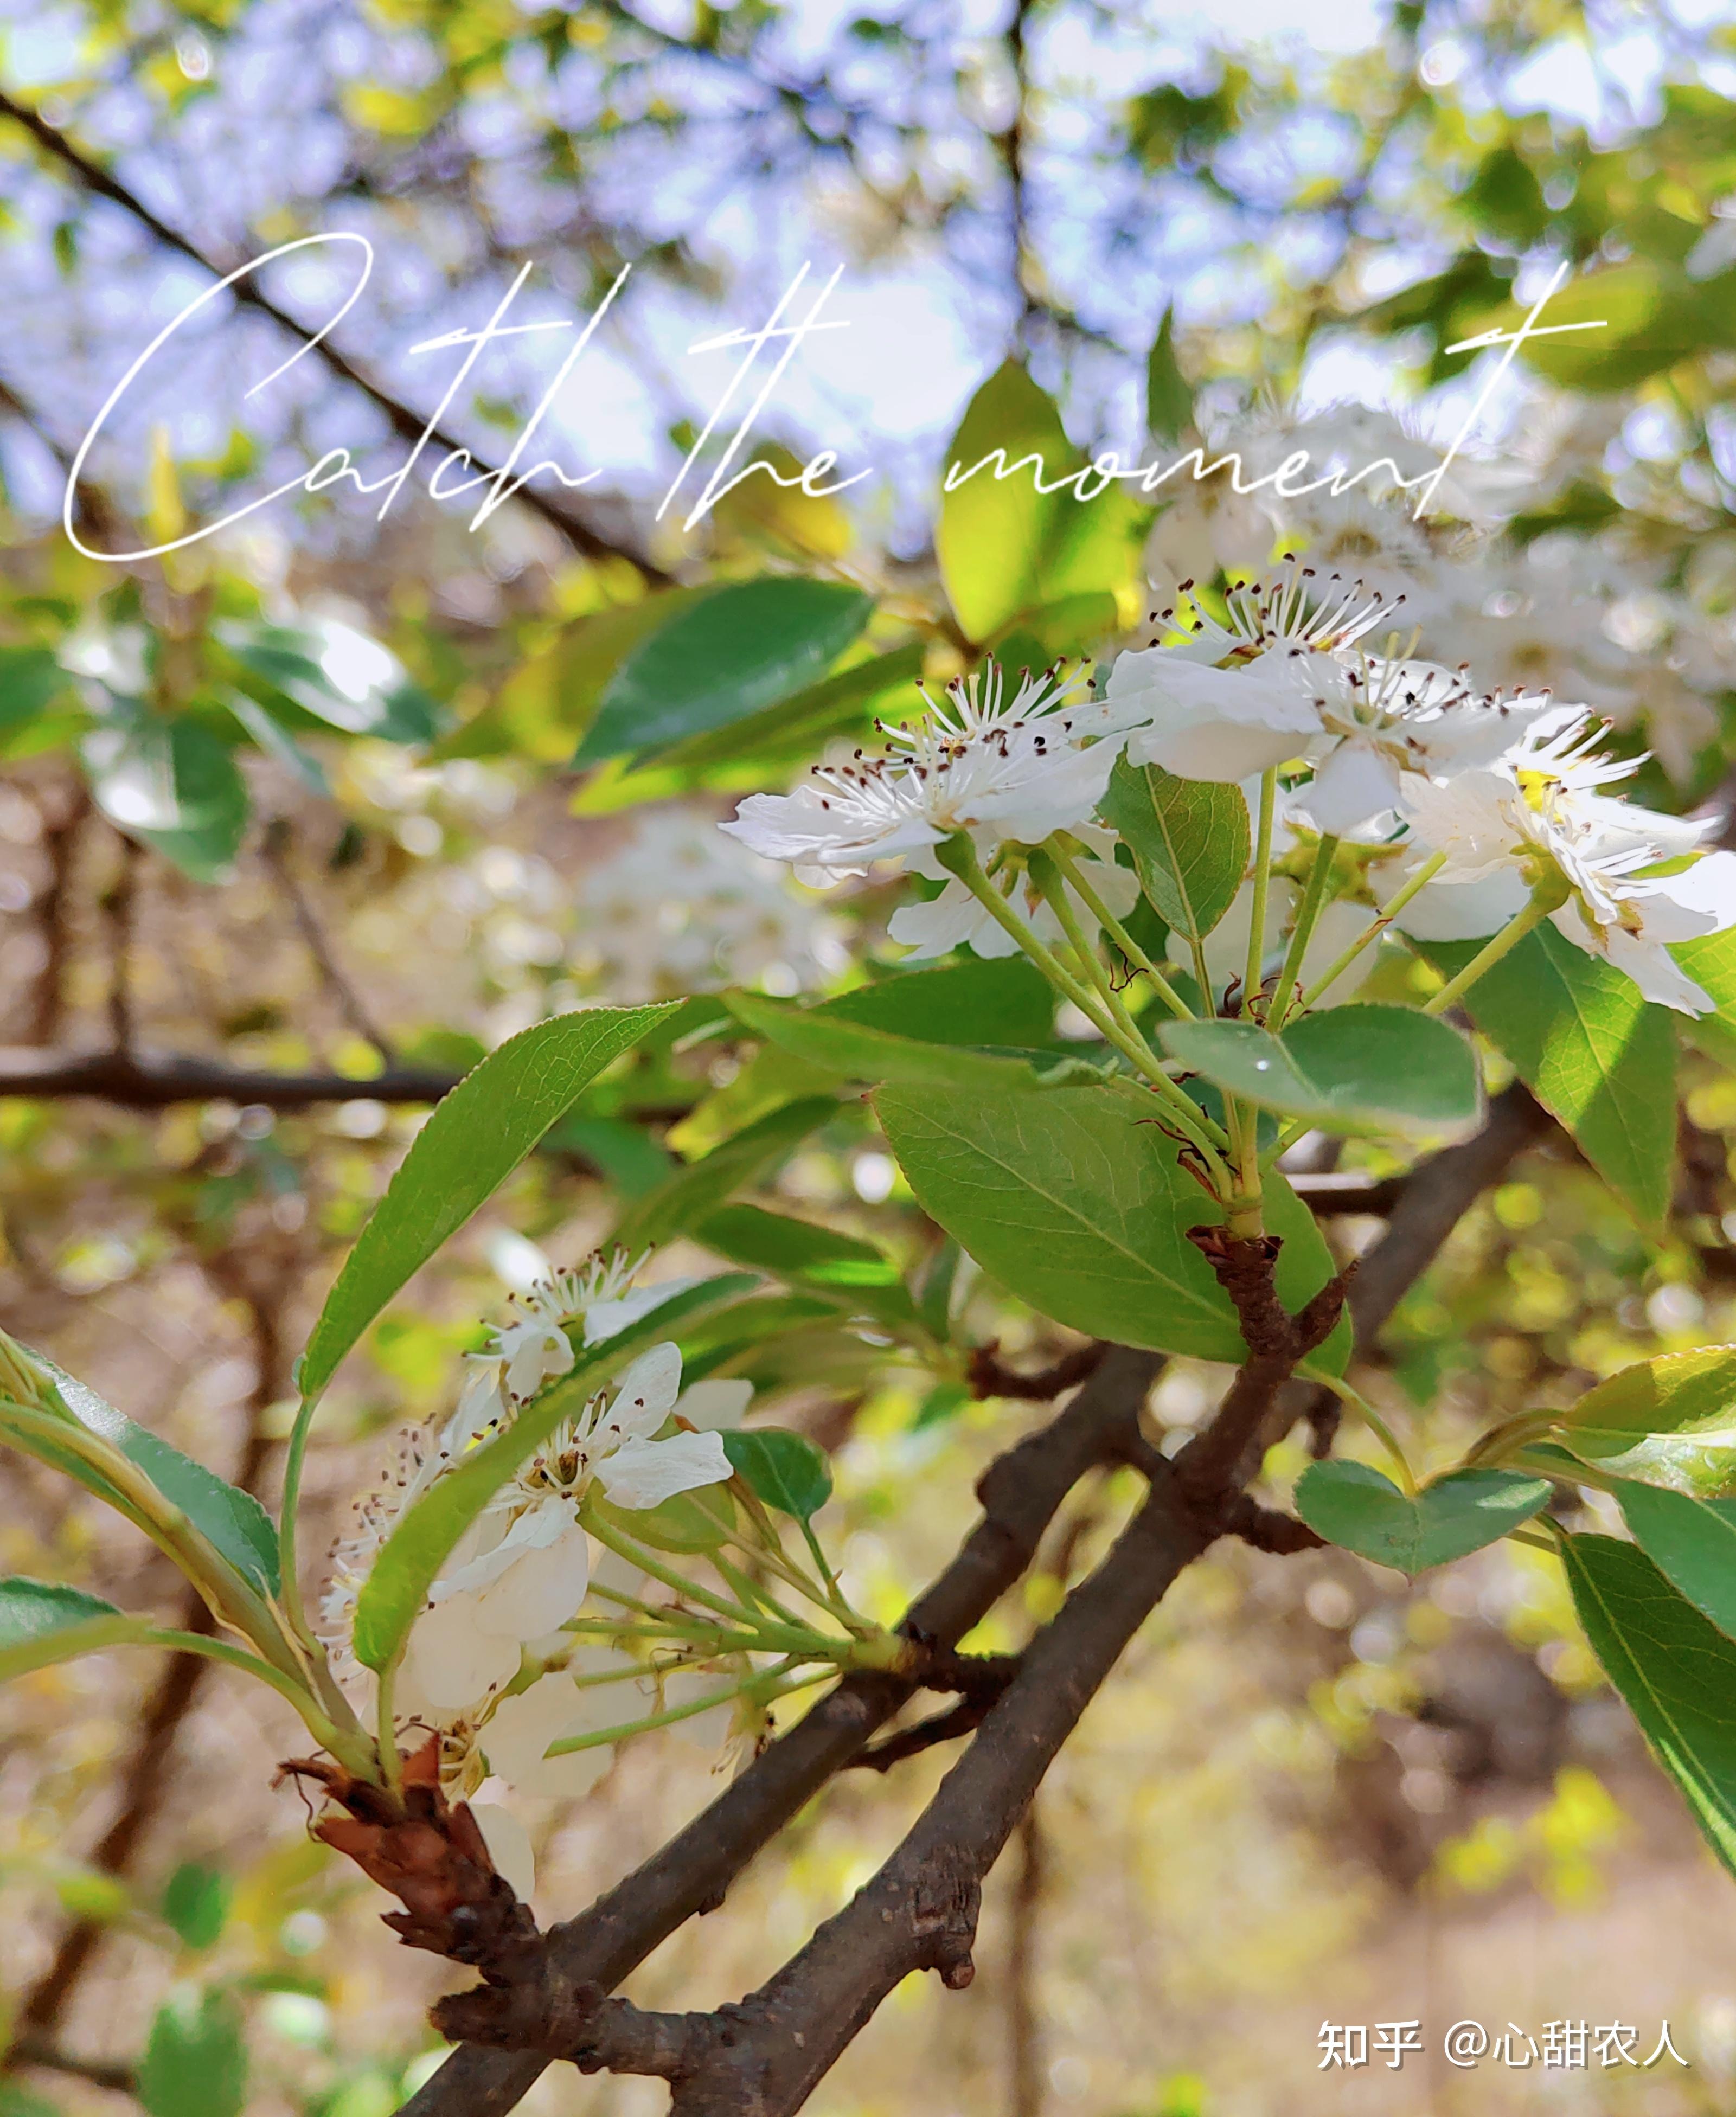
[1076,1203]
[1675,1669]
[1351,1069]
[173,786]
[1710,962]
[33,1609]
[548,701]
[476,1136]
[1692,1542]
[1593,1053]
[684,1523]
[195,1902]
[1169,401]
[42,1622]
[1353,1506]
[795,1249]
[797,725]
[695,1192]
[280,666]
[1189,838]
[860,1277]
[31,681]
[785,1470]
[410,1561]
[1001,1001]
[1676,1393]
[1651,318]
[860,1052]
[722,659]
[195,2063]
[1004,548]
[233,1522]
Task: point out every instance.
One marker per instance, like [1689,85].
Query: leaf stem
[958,856]
[1370,1417]
[624,1546]
[295,1456]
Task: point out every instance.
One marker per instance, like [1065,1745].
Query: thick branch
[764,2057]
[28,2051]
[1020,1493]
[408,425]
[144,1081]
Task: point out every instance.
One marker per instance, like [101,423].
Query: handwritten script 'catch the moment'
[766,356]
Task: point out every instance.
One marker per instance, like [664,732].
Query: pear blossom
[533,1348]
[524,1565]
[1011,768]
[1222,701]
[1382,723]
[956,916]
[1540,815]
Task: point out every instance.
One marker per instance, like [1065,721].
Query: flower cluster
[1498,791]
[491,1664]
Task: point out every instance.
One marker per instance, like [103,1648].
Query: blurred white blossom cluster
[1595,617]
[679,910]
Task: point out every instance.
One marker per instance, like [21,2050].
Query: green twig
[1542,904]
[1308,915]
[1371,932]
[1261,884]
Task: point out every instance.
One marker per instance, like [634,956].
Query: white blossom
[524,1565]
[1220,701]
[1381,724]
[1008,769]
[1539,817]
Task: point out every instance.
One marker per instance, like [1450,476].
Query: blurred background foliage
[342,801]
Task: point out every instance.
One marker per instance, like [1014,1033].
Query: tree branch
[144,1081]
[343,994]
[1020,1492]
[764,2057]
[408,425]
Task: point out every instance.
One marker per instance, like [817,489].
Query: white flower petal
[1651,966]
[541,1590]
[645,1394]
[509,1846]
[644,1473]
[1355,787]
[608,1319]
[936,926]
[451,1661]
[1223,750]
[1458,910]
